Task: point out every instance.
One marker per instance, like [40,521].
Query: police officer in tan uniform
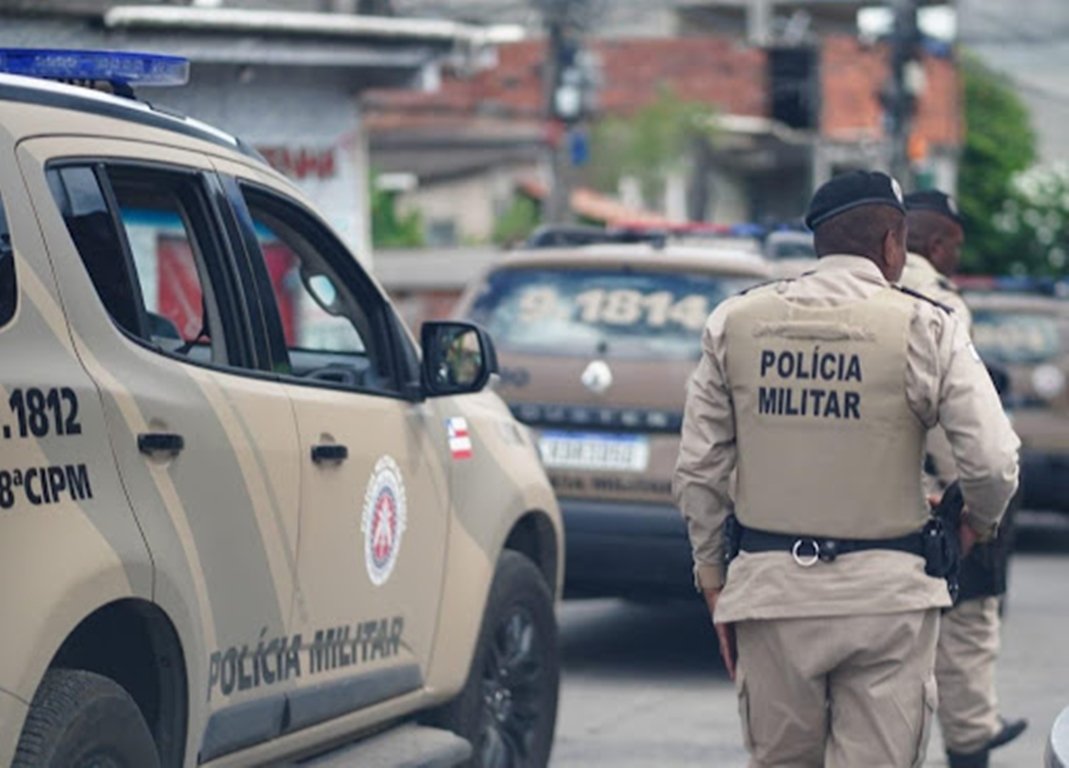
[969,633]
[936,235]
[804,425]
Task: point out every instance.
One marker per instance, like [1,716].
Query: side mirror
[457,358]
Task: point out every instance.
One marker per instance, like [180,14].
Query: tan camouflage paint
[501,482]
[223,519]
[68,554]
[202,501]
[334,577]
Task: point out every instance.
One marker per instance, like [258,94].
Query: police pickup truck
[244,520]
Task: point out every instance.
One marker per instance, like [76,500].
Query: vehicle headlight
[1048,381]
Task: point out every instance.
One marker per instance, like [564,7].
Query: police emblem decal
[897,189]
[384,520]
[597,377]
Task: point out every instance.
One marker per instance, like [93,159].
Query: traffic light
[575,82]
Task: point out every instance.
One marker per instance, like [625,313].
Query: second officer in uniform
[969,633]
[817,394]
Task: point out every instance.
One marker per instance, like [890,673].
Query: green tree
[650,143]
[517,222]
[389,229]
[999,144]
[1035,221]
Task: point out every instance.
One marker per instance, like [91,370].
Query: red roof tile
[852,75]
[715,70]
[593,205]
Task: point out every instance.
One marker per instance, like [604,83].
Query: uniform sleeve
[707,458]
[962,399]
[940,454]
[954,300]
[940,464]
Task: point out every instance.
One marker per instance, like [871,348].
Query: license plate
[594,451]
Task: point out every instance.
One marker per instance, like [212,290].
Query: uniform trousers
[840,692]
[965,670]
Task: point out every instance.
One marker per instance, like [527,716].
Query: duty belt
[807,550]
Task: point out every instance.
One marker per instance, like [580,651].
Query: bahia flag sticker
[459,439]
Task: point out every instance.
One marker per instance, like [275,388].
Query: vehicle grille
[597,418]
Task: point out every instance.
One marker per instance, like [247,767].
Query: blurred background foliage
[999,145]
[1034,222]
[389,227]
[649,144]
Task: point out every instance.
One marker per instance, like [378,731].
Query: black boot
[1010,730]
[976,759]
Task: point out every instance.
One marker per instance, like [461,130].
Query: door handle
[329,452]
[160,442]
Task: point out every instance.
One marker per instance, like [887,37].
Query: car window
[790,245]
[1026,338]
[625,313]
[8,294]
[145,252]
[331,319]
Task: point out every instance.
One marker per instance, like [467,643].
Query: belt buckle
[805,560]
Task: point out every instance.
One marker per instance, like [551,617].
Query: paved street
[642,685]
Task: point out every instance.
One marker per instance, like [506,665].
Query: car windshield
[790,246]
[1026,338]
[619,313]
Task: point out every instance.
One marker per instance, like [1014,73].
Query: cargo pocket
[929,700]
[743,693]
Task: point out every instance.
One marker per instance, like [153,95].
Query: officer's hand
[725,633]
[966,534]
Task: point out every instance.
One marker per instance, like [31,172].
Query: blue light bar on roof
[748,230]
[116,67]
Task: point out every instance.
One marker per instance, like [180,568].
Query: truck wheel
[84,720]
[508,707]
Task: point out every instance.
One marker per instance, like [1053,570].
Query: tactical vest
[827,443]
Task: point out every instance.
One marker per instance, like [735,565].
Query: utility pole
[564,97]
[899,99]
[558,204]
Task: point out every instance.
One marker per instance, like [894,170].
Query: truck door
[374,504]
[206,450]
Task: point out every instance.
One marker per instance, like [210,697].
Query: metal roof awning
[387,51]
[759,143]
[296,24]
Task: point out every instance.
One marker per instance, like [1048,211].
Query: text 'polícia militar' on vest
[805,400]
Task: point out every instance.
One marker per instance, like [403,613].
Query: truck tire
[507,709]
[81,719]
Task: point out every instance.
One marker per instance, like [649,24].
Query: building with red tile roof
[759,165]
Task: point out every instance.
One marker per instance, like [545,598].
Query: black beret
[935,201]
[850,190]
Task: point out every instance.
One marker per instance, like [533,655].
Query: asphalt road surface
[643,686]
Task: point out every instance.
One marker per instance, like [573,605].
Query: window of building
[442,233]
[792,73]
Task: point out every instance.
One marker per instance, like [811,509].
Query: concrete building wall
[305,120]
[729,202]
[308,126]
[469,206]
